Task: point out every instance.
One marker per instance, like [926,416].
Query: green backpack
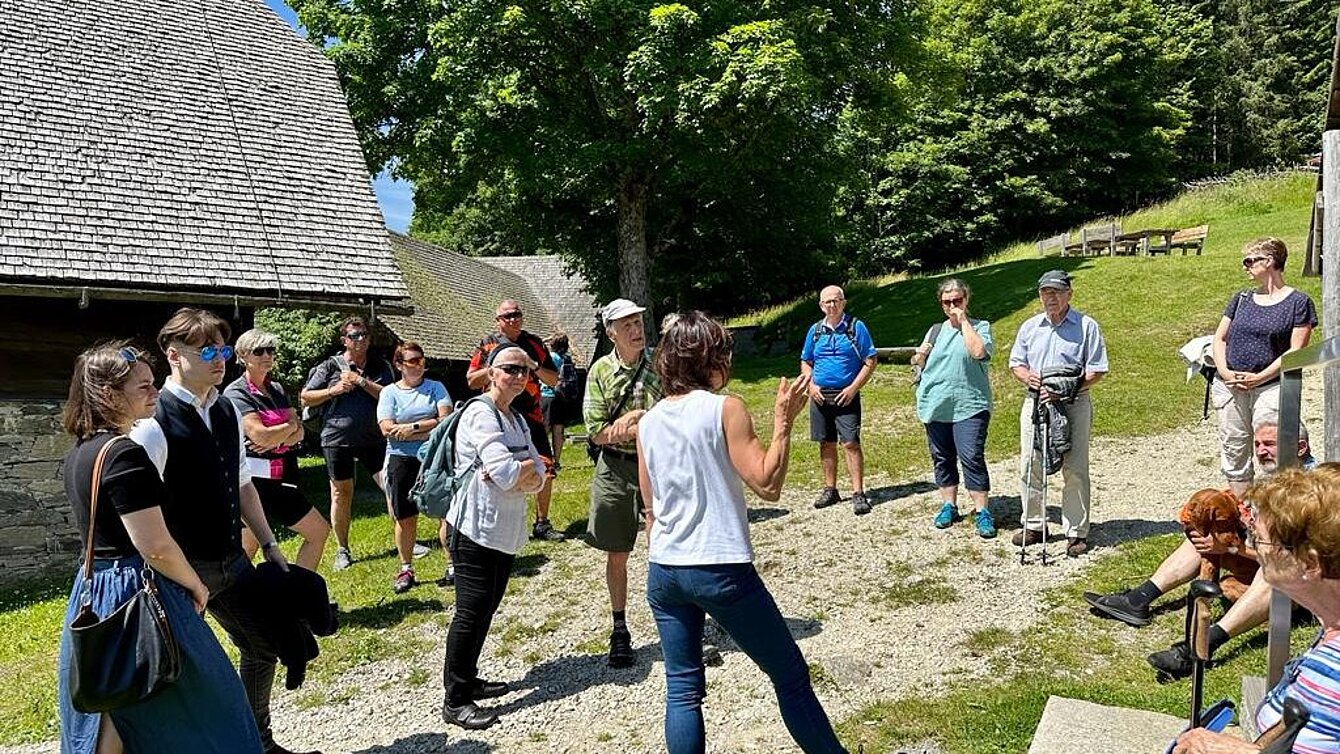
[439,482]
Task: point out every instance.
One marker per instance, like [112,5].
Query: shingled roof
[167,146]
[455,297]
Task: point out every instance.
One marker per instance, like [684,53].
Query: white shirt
[494,511]
[150,436]
[697,497]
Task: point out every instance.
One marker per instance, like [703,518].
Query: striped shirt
[1314,680]
[606,383]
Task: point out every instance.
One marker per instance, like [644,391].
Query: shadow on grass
[890,493]
[386,613]
[525,566]
[760,514]
[419,743]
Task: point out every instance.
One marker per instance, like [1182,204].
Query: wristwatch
[266,547]
[414,426]
[362,381]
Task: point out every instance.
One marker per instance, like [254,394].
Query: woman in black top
[205,709]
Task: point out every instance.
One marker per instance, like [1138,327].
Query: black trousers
[481,579]
[236,605]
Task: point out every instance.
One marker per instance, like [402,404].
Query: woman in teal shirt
[954,402]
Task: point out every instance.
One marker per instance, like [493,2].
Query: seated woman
[490,528]
[695,448]
[205,709]
[1295,531]
[273,432]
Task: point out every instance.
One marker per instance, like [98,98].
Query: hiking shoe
[546,531]
[829,496]
[621,649]
[860,505]
[343,558]
[448,578]
[489,689]
[947,516]
[469,716]
[712,655]
[403,581]
[1033,537]
[986,525]
[1076,546]
[1118,606]
[1174,663]
[420,550]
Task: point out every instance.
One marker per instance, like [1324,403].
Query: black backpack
[569,384]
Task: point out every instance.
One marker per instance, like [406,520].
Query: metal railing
[1290,415]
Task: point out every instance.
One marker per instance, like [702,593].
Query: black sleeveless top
[129,483]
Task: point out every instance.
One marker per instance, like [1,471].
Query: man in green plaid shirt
[620,387]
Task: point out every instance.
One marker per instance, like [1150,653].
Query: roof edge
[85,293]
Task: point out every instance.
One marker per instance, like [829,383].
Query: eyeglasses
[516,370]
[511,315]
[356,335]
[1249,262]
[263,351]
[1254,541]
[412,361]
[210,353]
[952,301]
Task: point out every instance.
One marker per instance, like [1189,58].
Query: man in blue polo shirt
[838,357]
[1059,337]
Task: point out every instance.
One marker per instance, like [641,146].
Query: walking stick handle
[1279,738]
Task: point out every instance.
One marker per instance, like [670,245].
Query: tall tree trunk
[634,263]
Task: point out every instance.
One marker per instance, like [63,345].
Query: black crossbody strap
[623,401]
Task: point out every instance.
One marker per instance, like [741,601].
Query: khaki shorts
[616,505]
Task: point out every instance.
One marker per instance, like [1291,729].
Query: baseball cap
[1055,279]
[618,309]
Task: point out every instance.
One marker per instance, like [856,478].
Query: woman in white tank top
[696,451]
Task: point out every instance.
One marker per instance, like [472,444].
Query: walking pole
[1198,619]
[1040,417]
[1028,481]
[1280,737]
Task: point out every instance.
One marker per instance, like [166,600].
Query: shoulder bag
[131,654]
[592,449]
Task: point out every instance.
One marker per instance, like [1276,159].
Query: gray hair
[953,284]
[249,341]
[1260,424]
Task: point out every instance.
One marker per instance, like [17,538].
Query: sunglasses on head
[263,351]
[131,355]
[516,370]
[413,361]
[510,315]
[951,301]
[1248,262]
[210,353]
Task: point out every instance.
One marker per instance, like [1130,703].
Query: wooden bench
[1186,239]
[1098,239]
[1055,242]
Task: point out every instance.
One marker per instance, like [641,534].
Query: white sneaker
[420,550]
[343,559]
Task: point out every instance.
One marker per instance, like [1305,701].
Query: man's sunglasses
[510,315]
[210,353]
[263,351]
[516,370]
[357,335]
[413,361]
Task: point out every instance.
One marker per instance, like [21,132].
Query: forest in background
[727,154]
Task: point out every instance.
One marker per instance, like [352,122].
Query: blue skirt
[204,711]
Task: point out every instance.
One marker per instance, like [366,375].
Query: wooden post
[1330,284]
[1312,259]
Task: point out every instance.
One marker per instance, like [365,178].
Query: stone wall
[36,536]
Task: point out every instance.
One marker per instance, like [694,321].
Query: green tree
[701,143]
[304,338]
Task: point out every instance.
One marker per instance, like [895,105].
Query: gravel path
[849,587]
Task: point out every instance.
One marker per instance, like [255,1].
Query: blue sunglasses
[210,353]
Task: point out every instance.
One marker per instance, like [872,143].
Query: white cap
[618,309]
[1197,353]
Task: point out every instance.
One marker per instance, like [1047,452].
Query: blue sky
[394,196]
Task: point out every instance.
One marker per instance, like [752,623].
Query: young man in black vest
[196,441]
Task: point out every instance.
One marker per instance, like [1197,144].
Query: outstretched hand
[791,397]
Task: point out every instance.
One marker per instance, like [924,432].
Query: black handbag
[131,654]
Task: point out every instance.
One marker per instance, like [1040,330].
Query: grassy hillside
[1147,307]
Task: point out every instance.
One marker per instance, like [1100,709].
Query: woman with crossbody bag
[115,494]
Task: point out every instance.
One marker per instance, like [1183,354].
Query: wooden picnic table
[1143,240]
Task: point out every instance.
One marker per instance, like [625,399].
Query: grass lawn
[1147,307]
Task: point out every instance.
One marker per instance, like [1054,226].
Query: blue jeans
[736,598]
[958,442]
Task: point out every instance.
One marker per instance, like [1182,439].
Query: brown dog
[1214,513]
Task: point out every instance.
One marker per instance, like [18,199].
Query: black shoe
[860,505]
[1076,546]
[275,748]
[621,649]
[1174,663]
[712,656]
[1033,537]
[469,716]
[489,689]
[546,531]
[829,496]
[1119,606]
